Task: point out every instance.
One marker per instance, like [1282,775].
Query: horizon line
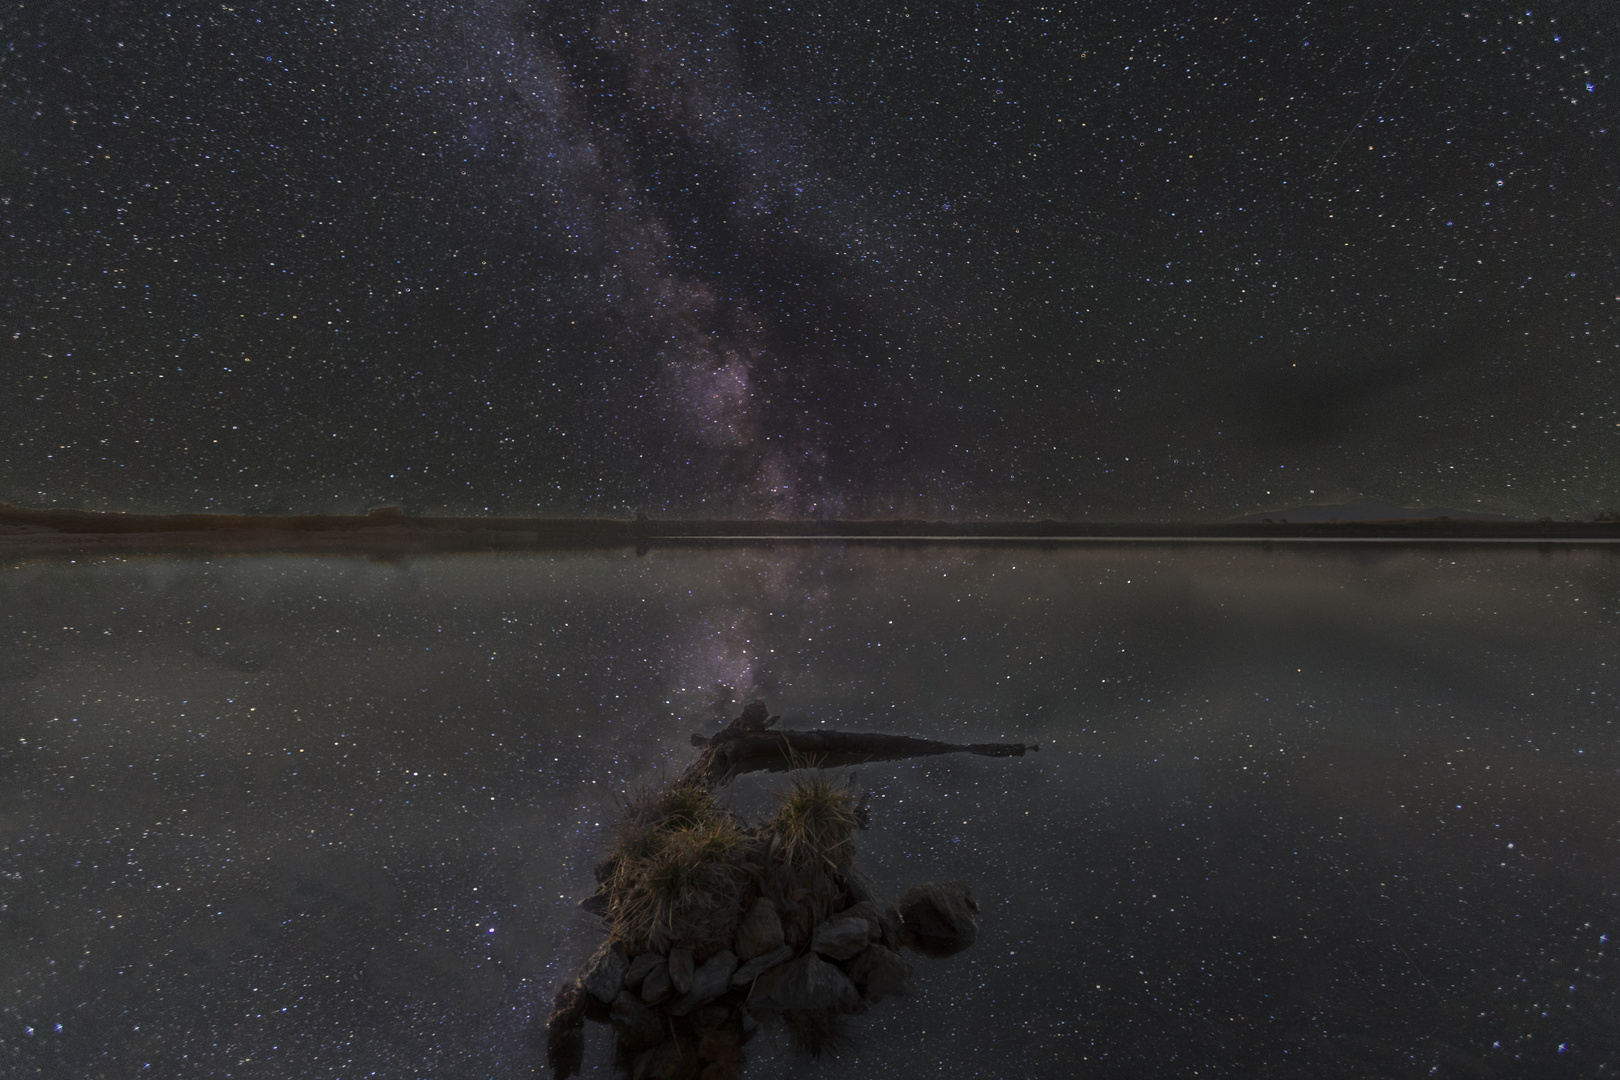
[390,529]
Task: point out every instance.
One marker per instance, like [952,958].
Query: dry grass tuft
[672,806]
[680,871]
[684,867]
[815,823]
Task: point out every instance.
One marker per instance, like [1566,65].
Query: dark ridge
[388,530]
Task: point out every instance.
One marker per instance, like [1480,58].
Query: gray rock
[747,973]
[869,911]
[807,983]
[603,974]
[880,973]
[841,938]
[637,1026]
[760,931]
[655,987]
[938,918]
[680,970]
[640,967]
[859,887]
[708,982]
[798,920]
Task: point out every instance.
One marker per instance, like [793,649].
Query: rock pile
[808,942]
[715,926]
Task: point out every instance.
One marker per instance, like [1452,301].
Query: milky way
[1116,262]
[701,233]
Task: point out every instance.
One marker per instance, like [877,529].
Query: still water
[1302,811]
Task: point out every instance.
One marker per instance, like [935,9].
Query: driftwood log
[748,744]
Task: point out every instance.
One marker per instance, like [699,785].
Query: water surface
[1336,812]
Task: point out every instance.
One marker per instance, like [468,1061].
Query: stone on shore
[858,886]
[603,975]
[807,983]
[798,919]
[881,973]
[869,911]
[680,969]
[841,938]
[656,986]
[747,973]
[760,931]
[640,968]
[939,918]
[709,981]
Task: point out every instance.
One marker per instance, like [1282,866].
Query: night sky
[1106,261]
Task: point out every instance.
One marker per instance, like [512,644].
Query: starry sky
[1166,261]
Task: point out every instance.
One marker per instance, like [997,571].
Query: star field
[1117,261]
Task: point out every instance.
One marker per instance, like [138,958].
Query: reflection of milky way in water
[731,282]
[751,647]
[1269,821]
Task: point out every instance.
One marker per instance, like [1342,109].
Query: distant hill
[1361,510]
[389,532]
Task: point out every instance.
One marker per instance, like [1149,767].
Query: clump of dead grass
[684,867]
[815,823]
[679,871]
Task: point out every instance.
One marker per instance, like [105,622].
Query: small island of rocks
[716,927]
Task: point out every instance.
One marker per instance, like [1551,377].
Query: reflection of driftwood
[747,745]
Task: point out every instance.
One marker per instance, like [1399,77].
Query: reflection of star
[742,651]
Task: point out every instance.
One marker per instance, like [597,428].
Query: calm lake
[1301,811]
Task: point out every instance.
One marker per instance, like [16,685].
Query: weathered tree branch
[747,745]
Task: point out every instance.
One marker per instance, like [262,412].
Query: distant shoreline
[390,531]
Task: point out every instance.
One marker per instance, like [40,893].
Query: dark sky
[1118,260]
